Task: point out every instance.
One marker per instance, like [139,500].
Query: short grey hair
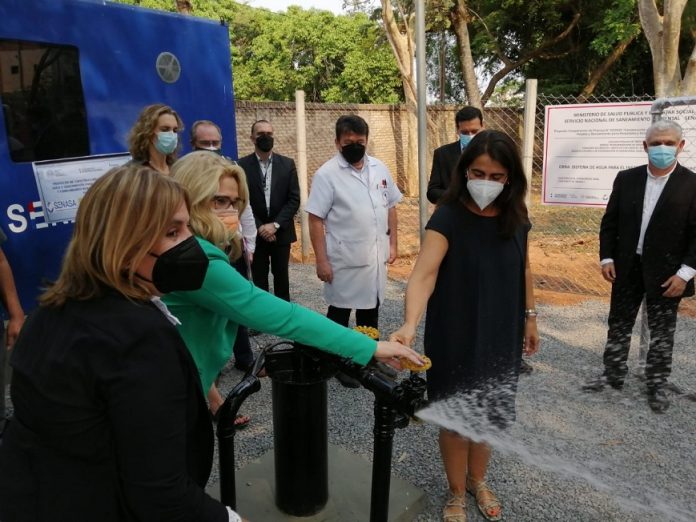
[198,123]
[664,125]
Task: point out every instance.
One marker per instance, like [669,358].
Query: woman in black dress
[473,274]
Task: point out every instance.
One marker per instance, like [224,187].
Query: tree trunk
[689,85]
[184,7]
[459,17]
[662,32]
[604,67]
[401,38]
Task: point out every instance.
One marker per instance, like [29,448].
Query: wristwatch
[276,225]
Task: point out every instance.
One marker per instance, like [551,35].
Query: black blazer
[110,420]
[285,195]
[445,159]
[670,239]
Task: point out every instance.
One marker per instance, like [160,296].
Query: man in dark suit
[468,121]
[647,245]
[274,194]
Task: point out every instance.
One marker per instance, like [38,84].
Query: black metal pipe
[228,484]
[227,429]
[385,426]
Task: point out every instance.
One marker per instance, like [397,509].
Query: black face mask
[353,152]
[182,267]
[264,142]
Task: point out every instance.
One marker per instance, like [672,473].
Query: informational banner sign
[585,146]
[62,183]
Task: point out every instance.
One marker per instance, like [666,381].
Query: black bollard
[300,428]
[300,434]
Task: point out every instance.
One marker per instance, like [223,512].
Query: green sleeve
[230,295]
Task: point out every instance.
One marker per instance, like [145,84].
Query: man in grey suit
[274,194]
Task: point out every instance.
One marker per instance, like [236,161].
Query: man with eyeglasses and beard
[274,194]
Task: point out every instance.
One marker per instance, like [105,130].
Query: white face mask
[484,191]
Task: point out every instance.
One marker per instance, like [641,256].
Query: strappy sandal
[455,501]
[492,509]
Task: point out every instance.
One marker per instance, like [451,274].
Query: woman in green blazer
[211,315]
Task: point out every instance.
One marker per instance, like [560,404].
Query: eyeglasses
[208,143]
[223,202]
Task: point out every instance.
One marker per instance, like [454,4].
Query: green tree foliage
[332,58]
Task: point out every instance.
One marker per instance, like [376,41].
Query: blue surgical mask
[662,156]
[464,140]
[166,142]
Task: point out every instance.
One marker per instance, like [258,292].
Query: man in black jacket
[647,248]
[468,121]
[274,194]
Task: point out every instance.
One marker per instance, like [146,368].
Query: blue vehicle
[74,75]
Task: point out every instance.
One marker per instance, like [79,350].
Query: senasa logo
[53,206]
[20,218]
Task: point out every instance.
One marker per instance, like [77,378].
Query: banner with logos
[62,183]
[586,145]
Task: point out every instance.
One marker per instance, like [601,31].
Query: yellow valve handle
[407,364]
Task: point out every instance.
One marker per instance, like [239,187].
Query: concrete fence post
[301,160]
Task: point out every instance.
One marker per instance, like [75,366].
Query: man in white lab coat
[352,225]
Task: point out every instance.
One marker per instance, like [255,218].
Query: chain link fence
[388,141]
[564,243]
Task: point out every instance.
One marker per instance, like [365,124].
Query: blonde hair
[141,134]
[200,173]
[112,235]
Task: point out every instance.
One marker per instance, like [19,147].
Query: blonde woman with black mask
[110,423]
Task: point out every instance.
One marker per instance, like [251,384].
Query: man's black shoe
[347,381]
[598,383]
[526,368]
[658,401]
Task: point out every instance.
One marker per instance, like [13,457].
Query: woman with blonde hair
[154,139]
[210,177]
[109,421]
[211,316]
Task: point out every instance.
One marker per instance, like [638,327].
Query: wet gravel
[571,456]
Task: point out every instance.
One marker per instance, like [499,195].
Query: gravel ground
[570,456]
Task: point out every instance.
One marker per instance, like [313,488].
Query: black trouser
[277,257]
[626,297]
[243,356]
[369,317]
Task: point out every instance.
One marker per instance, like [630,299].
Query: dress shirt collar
[269,160]
[665,176]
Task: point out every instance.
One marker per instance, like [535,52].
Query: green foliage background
[332,58]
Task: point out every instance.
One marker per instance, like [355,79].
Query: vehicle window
[42,101]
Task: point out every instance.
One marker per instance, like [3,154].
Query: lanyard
[264,171]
